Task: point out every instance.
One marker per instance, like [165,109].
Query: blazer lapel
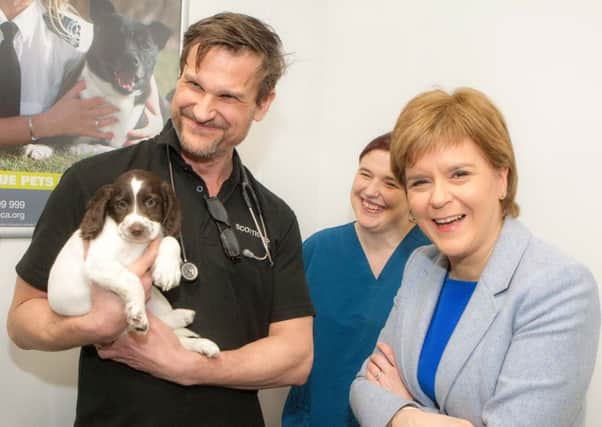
[483,305]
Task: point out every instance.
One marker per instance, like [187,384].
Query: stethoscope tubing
[189,269]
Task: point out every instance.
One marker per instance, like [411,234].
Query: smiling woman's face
[455,196]
[377,199]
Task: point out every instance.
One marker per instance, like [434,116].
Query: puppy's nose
[136,229]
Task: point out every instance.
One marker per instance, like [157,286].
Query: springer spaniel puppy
[120,221]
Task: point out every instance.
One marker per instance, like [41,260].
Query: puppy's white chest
[109,245]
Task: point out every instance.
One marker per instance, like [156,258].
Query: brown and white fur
[120,221]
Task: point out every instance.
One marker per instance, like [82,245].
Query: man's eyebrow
[190,76]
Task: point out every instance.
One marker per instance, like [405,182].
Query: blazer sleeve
[549,364]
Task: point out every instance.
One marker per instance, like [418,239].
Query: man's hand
[158,353]
[106,321]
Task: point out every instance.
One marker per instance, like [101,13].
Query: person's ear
[503,179]
[264,106]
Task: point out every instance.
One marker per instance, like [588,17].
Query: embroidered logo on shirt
[71,26]
[248,230]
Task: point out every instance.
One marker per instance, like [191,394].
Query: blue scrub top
[351,308]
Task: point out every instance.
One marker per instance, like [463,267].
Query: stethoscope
[189,270]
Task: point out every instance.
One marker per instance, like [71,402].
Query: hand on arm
[74,116]
[70,115]
[284,357]
[382,369]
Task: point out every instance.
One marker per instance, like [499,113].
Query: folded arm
[382,370]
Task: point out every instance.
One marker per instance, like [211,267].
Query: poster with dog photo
[89,76]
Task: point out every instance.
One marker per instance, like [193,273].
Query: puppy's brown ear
[172,219]
[94,218]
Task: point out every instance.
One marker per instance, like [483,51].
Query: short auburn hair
[238,33]
[436,118]
[382,142]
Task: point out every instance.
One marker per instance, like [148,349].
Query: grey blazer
[522,353]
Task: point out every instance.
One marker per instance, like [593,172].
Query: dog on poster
[119,67]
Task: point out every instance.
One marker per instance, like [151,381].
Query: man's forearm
[283,358]
[32,324]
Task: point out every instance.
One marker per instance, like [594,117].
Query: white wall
[355,64]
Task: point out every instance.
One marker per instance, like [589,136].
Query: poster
[128,55]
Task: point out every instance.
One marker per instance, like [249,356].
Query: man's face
[214,105]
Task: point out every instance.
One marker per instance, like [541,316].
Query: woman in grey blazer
[491,326]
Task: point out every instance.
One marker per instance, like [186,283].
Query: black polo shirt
[234,302]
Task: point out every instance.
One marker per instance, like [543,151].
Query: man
[253,303]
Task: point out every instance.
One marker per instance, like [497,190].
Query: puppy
[120,221]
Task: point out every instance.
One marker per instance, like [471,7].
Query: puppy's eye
[150,203]
[121,204]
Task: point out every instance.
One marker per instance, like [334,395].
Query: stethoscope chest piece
[189,271]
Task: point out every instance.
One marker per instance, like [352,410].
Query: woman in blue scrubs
[354,271]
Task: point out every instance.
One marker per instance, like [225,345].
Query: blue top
[453,299]
[351,308]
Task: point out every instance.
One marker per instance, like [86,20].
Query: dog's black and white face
[142,205]
[124,51]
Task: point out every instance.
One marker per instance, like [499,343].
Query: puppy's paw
[207,347]
[166,272]
[200,345]
[136,318]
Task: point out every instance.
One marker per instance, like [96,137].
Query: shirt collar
[28,20]
[169,136]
